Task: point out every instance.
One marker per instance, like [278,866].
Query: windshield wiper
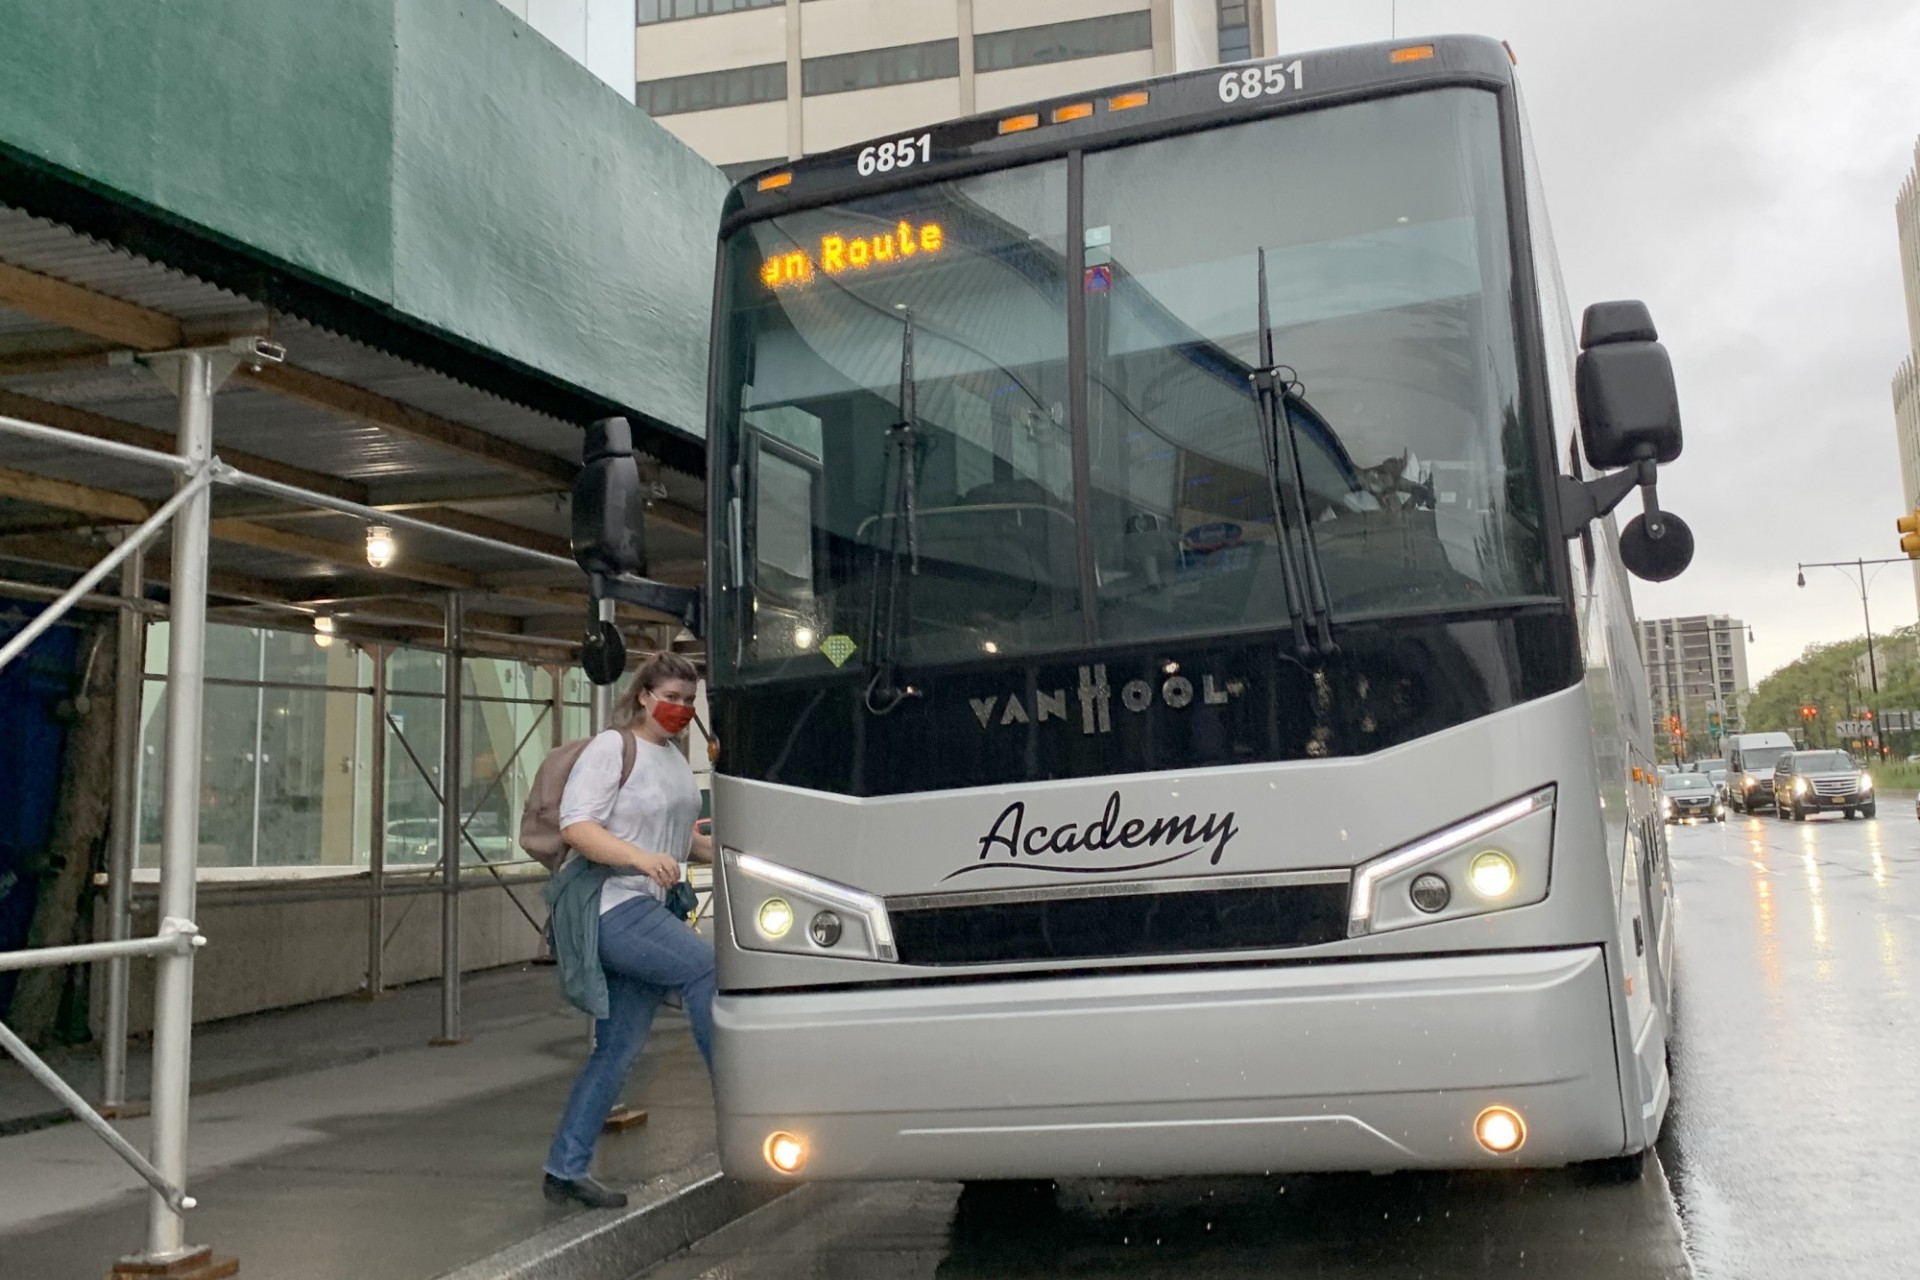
[884,691]
[1280,449]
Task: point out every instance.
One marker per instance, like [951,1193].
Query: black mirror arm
[688,605]
[1584,501]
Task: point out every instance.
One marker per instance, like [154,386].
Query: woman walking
[620,949]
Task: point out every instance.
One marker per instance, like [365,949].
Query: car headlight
[1748,783]
[1489,862]
[1866,784]
[1799,786]
[765,900]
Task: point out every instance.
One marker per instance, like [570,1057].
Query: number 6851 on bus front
[1260,82]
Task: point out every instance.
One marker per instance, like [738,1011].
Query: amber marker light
[1072,111]
[775,181]
[1412,53]
[1500,1130]
[784,1152]
[1020,124]
[1127,101]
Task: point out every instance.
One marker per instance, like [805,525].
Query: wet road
[1790,1150]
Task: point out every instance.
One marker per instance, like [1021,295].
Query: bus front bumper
[1372,1065]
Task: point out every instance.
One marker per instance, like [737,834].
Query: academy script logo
[1109,843]
[1096,699]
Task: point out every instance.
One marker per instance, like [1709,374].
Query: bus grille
[1134,924]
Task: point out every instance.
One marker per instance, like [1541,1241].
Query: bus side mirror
[1629,408]
[609,506]
[1629,425]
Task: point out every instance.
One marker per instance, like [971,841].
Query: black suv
[1806,782]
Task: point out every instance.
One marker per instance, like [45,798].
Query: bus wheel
[998,1197]
[1615,1170]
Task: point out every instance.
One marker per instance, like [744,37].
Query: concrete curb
[663,1217]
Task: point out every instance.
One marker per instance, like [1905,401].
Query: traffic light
[1909,527]
[1807,712]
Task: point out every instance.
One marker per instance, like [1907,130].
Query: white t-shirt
[656,810]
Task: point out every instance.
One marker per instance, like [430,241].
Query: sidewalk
[331,1143]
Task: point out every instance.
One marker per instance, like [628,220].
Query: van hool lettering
[1135,843]
[1096,700]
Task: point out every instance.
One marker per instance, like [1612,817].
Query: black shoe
[583,1191]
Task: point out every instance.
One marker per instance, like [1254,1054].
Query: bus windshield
[1016,513]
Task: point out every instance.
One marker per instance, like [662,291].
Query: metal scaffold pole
[124,826]
[450,826]
[194,381]
[377,833]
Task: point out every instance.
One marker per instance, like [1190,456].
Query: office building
[749,83]
[1906,380]
[1696,667]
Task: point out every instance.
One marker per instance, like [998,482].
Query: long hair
[655,670]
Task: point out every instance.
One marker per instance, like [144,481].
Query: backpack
[540,820]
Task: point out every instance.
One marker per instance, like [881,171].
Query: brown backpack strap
[628,751]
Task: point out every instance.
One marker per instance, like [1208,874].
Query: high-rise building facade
[1696,667]
[750,83]
[1906,380]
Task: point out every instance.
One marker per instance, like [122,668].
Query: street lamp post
[1858,570]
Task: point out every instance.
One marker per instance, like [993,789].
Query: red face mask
[674,717]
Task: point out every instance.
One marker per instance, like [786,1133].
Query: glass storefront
[286,772]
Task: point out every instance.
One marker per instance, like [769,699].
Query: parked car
[1807,782]
[1690,797]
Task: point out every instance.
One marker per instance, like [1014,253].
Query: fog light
[784,1152]
[1492,874]
[1500,1130]
[825,928]
[1430,893]
[776,918]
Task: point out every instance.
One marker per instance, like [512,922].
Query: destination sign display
[837,253]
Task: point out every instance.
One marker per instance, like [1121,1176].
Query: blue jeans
[645,951]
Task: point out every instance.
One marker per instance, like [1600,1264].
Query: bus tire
[1616,1170]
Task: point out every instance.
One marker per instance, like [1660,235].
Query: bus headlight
[776,918]
[1503,855]
[765,900]
[1492,874]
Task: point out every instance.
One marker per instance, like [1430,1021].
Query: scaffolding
[195,375]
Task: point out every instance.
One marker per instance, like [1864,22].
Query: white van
[1750,761]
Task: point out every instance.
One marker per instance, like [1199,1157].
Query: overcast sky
[1734,166]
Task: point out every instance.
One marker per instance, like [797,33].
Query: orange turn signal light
[774,181]
[1072,111]
[1127,101]
[1020,124]
[1412,53]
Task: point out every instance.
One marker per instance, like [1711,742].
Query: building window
[735,87]
[1063,41]
[871,68]
[1236,33]
[652,11]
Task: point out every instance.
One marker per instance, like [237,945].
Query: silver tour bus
[1172,648]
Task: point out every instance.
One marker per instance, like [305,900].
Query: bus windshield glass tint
[853,531]
[1389,274]
[942,538]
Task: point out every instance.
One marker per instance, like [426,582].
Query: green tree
[1822,677]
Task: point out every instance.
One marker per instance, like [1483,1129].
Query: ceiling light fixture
[380,546]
